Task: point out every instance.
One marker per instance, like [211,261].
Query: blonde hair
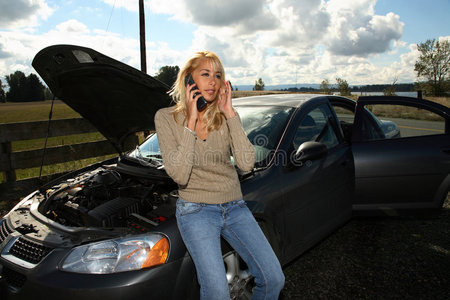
[212,115]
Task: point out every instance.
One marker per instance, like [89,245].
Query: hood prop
[46,137]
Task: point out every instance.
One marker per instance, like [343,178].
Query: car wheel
[240,281]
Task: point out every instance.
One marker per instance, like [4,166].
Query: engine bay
[107,198]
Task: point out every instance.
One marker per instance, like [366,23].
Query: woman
[195,146]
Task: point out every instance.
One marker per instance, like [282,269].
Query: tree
[35,89]
[168,74]
[48,95]
[433,66]
[24,88]
[343,87]
[325,87]
[2,92]
[259,85]
[17,84]
[390,90]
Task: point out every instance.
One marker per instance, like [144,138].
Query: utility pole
[142,36]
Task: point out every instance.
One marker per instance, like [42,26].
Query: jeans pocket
[241,203]
[186,208]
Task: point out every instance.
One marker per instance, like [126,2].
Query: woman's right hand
[191,106]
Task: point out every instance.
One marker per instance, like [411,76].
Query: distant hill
[400,87]
[279,86]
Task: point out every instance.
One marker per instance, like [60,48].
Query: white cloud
[21,47]
[281,41]
[175,8]
[23,13]
[444,38]
[244,16]
[286,49]
[72,27]
[302,23]
[355,30]
[131,5]
[18,48]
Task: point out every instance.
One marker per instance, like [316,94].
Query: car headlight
[118,255]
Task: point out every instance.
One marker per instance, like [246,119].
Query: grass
[34,111]
[62,167]
[441,100]
[396,111]
[239,94]
[55,142]
[39,111]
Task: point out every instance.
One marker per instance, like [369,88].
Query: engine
[107,198]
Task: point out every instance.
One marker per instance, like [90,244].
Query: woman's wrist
[230,114]
[191,124]
[191,131]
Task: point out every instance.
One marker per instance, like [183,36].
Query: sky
[280,41]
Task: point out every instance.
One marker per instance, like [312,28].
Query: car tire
[240,280]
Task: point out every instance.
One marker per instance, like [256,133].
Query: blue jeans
[201,226]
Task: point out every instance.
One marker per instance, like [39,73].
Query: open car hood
[117,99]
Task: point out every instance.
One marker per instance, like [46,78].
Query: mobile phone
[201,102]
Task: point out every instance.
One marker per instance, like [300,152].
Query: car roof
[287,100]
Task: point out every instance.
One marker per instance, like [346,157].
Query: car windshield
[148,151]
[264,126]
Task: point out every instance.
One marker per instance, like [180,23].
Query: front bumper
[174,280]
[44,280]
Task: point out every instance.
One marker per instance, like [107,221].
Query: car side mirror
[309,151]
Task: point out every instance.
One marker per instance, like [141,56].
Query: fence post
[10,174]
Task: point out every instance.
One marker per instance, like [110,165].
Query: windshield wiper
[139,151]
[150,158]
[154,155]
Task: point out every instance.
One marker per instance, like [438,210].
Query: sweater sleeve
[243,151]
[177,157]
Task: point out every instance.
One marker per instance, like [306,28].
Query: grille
[13,278]
[29,251]
[4,231]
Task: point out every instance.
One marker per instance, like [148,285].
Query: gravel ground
[402,258]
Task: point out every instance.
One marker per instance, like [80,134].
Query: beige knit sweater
[203,169]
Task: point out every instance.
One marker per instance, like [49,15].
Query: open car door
[401,149]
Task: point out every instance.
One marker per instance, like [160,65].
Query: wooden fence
[10,161]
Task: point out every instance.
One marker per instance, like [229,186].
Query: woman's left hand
[224,101]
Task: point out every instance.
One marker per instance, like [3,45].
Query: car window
[343,113]
[264,126]
[346,117]
[400,121]
[317,126]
